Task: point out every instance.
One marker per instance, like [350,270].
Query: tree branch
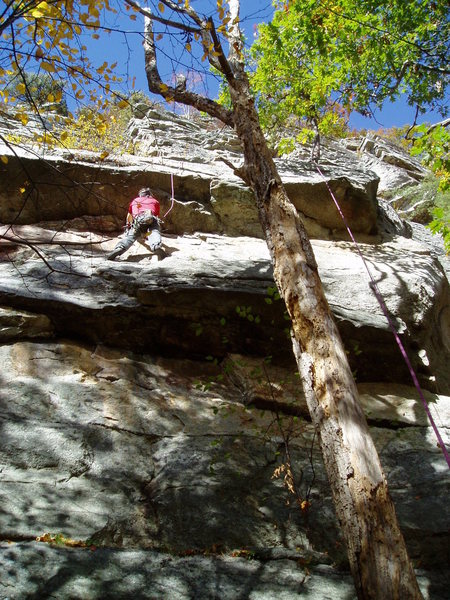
[170,93]
[202,24]
[444,123]
[236,44]
[399,76]
[241,172]
[176,24]
[32,246]
[186,10]
[432,68]
[225,67]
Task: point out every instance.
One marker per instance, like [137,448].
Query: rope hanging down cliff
[373,286]
[172,197]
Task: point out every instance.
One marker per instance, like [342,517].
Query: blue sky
[127,49]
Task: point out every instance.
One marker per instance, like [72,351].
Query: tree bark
[376,549]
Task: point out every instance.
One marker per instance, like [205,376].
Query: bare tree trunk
[378,558]
[376,549]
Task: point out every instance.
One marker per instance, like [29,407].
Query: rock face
[189,300]
[149,406]
[210,197]
[393,167]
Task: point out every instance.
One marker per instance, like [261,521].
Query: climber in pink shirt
[143,204]
[142,221]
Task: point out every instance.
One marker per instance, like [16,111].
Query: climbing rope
[173,196]
[381,302]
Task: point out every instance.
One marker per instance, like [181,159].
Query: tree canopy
[47,40]
[314,62]
[321,60]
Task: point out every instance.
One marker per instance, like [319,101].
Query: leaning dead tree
[376,549]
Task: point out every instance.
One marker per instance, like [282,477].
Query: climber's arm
[129,220]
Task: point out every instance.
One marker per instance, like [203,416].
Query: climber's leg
[154,236]
[124,244]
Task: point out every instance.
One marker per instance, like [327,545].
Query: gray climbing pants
[145,227]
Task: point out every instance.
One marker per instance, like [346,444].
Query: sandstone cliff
[146,404]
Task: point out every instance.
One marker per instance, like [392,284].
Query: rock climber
[142,222]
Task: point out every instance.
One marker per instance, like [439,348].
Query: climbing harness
[143,219]
[381,302]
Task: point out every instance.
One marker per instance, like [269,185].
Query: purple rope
[381,302]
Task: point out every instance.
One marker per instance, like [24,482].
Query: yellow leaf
[4,159]
[122,104]
[101,128]
[23,118]
[40,10]
[95,36]
[20,88]
[22,190]
[48,67]
[163,87]
[161,7]
[188,47]
[305,505]
[103,155]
